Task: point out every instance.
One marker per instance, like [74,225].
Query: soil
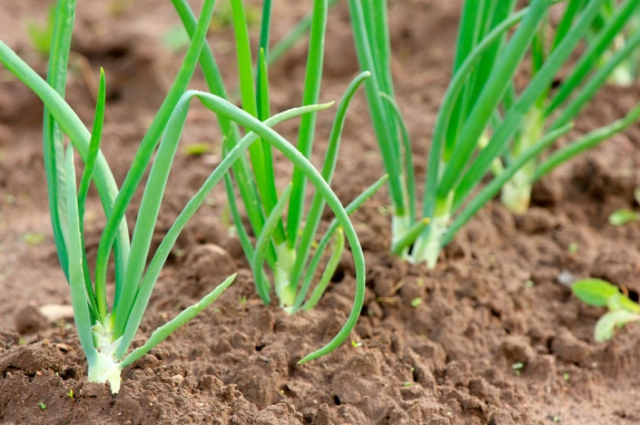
[496,337]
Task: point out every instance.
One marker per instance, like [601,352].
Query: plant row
[491,136]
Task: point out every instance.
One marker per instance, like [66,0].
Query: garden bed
[491,336]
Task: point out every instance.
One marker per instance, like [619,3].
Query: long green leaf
[126,289]
[586,142]
[241,168]
[329,270]
[52,136]
[81,313]
[596,82]
[317,257]
[85,181]
[180,320]
[386,139]
[328,167]
[313,79]
[263,170]
[257,262]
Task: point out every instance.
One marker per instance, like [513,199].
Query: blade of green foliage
[144,228]
[317,257]
[386,139]
[264,111]
[257,262]
[292,37]
[241,168]
[60,45]
[586,142]
[313,79]
[595,292]
[265,179]
[607,324]
[94,149]
[329,270]
[85,181]
[81,313]
[331,157]
[126,288]
[180,320]
[407,155]
[573,8]
[139,165]
[469,34]
[503,10]
[596,82]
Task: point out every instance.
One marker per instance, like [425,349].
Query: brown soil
[495,300]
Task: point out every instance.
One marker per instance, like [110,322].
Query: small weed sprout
[623,216]
[599,293]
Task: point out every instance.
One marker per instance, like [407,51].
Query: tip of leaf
[306,359]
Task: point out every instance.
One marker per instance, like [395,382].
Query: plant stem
[427,249]
[516,193]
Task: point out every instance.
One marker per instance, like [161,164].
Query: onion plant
[486,125]
[284,234]
[107,331]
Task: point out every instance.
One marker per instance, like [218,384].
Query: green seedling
[42,406]
[573,248]
[106,330]
[486,128]
[40,35]
[197,149]
[599,293]
[623,216]
[33,239]
[517,368]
